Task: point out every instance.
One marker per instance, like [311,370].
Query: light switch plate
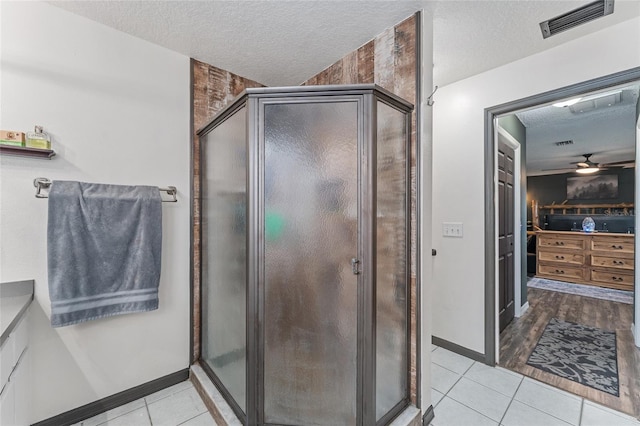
[452,229]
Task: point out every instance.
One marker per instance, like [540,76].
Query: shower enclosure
[305,255]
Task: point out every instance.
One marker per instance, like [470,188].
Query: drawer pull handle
[559,257]
[559,243]
[559,271]
[616,247]
[616,262]
[617,278]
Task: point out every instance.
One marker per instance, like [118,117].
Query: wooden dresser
[601,259]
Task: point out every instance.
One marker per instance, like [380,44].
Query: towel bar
[44,183]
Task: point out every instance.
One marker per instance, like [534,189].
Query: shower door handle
[354,266]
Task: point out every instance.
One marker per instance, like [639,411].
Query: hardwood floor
[520,337]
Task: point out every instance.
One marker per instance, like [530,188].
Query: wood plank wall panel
[212,89]
[390,61]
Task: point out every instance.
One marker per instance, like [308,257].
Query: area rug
[621,296]
[586,355]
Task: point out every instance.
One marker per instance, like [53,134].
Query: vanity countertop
[15,298]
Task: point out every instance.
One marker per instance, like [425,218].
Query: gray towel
[104,244]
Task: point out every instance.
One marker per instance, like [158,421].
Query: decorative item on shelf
[11,138]
[38,139]
[588,224]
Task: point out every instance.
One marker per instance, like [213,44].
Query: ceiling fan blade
[619,163]
[562,168]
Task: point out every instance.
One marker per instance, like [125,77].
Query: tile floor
[177,405]
[465,392]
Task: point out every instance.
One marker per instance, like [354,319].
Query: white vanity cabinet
[14,373]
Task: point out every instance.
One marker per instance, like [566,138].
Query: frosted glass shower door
[224,261]
[311,235]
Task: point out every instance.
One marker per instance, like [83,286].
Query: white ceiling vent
[576,17]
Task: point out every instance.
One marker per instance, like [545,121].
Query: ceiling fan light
[588,170]
[567,103]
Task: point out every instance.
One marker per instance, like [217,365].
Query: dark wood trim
[460,350]
[100,406]
[490,114]
[23,151]
[428,416]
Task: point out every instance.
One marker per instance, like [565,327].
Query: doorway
[493,228]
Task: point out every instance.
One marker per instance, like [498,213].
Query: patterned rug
[580,353]
[621,296]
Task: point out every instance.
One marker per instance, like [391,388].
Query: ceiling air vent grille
[562,143]
[576,17]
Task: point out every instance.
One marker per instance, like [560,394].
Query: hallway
[520,337]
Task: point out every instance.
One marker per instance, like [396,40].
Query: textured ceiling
[281,43]
[607,132]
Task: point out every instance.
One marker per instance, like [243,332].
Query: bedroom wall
[553,188]
[117,108]
[458,165]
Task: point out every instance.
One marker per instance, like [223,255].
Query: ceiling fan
[587,166]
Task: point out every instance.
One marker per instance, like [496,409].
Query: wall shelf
[23,151]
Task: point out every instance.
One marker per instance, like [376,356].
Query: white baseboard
[523,309]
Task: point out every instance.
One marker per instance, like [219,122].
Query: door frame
[490,156]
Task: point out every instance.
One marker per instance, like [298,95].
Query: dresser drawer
[612,244]
[618,279]
[612,262]
[561,271]
[565,258]
[566,243]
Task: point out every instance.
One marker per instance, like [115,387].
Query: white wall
[458,163]
[118,109]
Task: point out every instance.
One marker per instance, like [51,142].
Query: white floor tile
[451,361]
[436,397]
[203,419]
[116,412]
[520,414]
[138,417]
[442,379]
[452,413]
[495,378]
[555,402]
[597,415]
[168,391]
[480,398]
[177,408]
